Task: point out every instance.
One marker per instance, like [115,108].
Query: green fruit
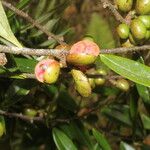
[132,40]
[99,81]
[101,72]
[146,20]
[123,84]
[1,129]
[124,5]
[123,31]
[47,70]
[127,44]
[92,83]
[83,52]
[81,59]
[143,7]
[51,74]
[81,83]
[88,37]
[30,112]
[138,29]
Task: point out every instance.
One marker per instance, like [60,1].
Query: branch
[3,59]
[112,8]
[21,116]
[61,53]
[124,49]
[33,52]
[33,22]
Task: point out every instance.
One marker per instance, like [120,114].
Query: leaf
[25,65]
[5,30]
[97,147]
[49,26]
[77,132]
[40,8]
[66,103]
[21,4]
[2,120]
[127,68]
[121,115]
[125,146]
[146,121]
[101,140]
[144,93]
[62,141]
[100,30]
[16,91]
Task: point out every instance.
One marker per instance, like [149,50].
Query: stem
[33,22]
[3,59]
[112,8]
[21,116]
[61,53]
[124,50]
[33,52]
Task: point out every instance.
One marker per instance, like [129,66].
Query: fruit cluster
[81,55]
[137,32]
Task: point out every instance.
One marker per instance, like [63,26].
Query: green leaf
[2,120]
[77,132]
[5,30]
[62,141]
[40,8]
[121,115]
[100,30]
[16,91]
[21,4]
[125,146]
[49,26]
[146,121]
[127,68]
[144,93]
[66,103]
[25,65]
[97,147]
[101,140]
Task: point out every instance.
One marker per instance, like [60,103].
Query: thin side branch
[33,22]
[124,50]
[21,116]
[107,3]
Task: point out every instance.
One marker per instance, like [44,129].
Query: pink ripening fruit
[47,71]
[83,52]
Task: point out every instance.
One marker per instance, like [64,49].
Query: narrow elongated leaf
[40,8]
[125,146]
[2,120]
[78,133]
[5,30]
[118,115]
[101,140]
[49,26]
[144,93]
[145,121]
[25,65]
[127,68]
[62,141]
[21,4]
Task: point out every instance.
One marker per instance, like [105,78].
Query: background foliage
[118,120]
